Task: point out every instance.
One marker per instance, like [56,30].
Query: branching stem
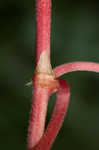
[45,82]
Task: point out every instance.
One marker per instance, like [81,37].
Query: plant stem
[60,109]
[37,115]
[76,66]
[43,25]
[44,83]
[43,79]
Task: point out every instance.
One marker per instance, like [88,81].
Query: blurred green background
[75,37]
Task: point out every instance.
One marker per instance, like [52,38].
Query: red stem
[76,66]
[44,83]
[37,115]
[43,23]
[43,76]
[57,118]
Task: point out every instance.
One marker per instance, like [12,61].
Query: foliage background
[75,37]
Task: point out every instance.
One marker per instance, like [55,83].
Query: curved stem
[57,118]
[76,66]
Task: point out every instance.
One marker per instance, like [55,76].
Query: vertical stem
[43,74]
[37,115]
[43,23]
